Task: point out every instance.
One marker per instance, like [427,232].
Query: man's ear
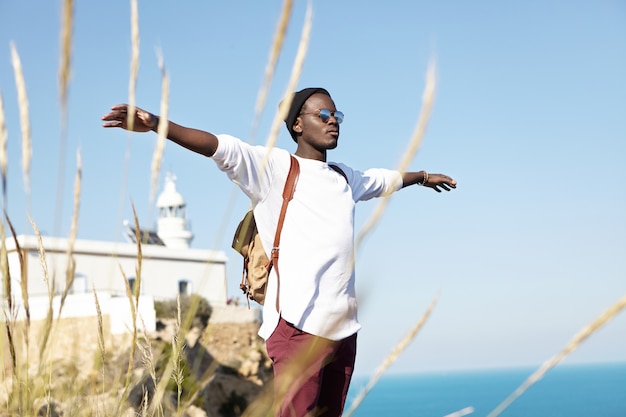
[296,126]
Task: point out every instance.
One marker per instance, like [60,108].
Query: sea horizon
[532,368]
[572,390]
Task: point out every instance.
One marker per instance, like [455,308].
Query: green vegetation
[201,308]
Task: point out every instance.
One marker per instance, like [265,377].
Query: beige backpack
[256,264]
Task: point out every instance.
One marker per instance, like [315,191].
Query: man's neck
[311,154]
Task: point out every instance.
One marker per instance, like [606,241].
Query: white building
[168,267]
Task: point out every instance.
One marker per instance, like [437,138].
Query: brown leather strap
[288,191]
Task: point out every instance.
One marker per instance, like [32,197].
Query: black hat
[299,98]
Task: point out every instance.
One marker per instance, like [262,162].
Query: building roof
[96,247]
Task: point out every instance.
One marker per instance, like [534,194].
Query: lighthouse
[172,222]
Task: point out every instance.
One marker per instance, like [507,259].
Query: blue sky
[529,117]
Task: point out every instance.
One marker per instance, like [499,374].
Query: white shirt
[316,257]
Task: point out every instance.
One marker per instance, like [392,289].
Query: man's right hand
[117,117]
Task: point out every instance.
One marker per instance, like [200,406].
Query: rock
[194,411]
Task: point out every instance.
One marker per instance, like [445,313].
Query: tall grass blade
[71,263]
[9,312]
[48,321]
[177,356]
[173,370]
[137,289]
[101,342]
[23,274]
[4,266]
[24,291]
[463,412]
[45,367]
[9,324]
[147,356]
[395,353]
[587,331]
[20,85]
[157,157]
[129,292]
[270,68]
[293,80]
[133,299]
[262,404]
[134,70]
[277,45]
[13,354]
[67,23]
[134,62]
[131,356]
[4,159]
[427,103]
[144,405]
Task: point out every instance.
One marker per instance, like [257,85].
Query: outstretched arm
[434,181]
[199,141]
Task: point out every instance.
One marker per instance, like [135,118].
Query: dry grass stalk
[139,264]
[144,404]
[299,368]
[129,291]
[202,382]
[23,275]
[4,266]
[48,323]
[71,262]
[20,85]
[395,353]
[4,159]
[21,378]
[270,68]
[296,70]
[277,45]
[133,313]
[427,103]
[604,318]
[463,412]
[15,384]
[45,367]
[428,99]
[67,24]
[262,405]
[159,393]
[23,290]
[134,63]
[293,80]
[177,355]
[101,343]
[9,312]
[147,356]
[173,369]
[133,299]
[157,157]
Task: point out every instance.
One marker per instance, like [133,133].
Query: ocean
[566,390]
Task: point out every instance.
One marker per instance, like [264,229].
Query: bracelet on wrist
[425,180]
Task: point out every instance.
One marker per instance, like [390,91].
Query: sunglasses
[325,114]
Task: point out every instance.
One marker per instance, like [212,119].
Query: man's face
[314,131]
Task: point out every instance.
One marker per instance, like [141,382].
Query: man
[310,323]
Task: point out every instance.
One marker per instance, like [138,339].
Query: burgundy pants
[311,374]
